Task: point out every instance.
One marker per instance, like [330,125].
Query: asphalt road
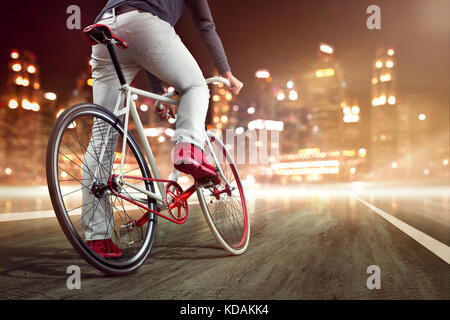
[304,245]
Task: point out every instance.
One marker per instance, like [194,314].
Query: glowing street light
[394,165]
[224,119]
[422,117]
[362,152]
[351,118]
[290,84]
[251,110]
[170,132]
[50,96]
[13,104]
[35,107]
[293,95]
[19,81]
[323,73]
[346,110]
[8,171]
[390,52]
[216,98]
[375,102]
[389,64]
[392,100]
[239,130]
[445,162]
[26,104]
[385,77]
[16,67]
[15,55]
[379,64]
[326,48]
[281,96]
[144,108]
[31,69]
[262,74]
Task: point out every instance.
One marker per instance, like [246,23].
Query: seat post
[119,71]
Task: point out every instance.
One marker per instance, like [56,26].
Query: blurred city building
[325,88]
[22,110]
[384,111]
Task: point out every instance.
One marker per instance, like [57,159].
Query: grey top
[170,11]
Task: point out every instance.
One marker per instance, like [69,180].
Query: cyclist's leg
[160,50]
[98,222]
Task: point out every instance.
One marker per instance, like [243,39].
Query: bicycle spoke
[85,158]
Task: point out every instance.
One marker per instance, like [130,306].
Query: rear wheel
[224,206]
[84,150]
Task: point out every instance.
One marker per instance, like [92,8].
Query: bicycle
[121,185]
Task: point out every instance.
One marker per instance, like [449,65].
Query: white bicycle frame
[126,92]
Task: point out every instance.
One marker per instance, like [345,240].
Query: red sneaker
[191,160]
[105,248]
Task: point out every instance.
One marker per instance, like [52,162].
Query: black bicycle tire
[107,267]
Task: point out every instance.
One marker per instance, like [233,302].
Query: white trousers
[154,46]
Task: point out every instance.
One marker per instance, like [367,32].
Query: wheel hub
[99,189]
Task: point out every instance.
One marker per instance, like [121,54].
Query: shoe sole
[195,169]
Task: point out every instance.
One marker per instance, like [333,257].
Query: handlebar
[216,80]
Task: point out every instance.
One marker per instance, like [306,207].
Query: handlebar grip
[226,82]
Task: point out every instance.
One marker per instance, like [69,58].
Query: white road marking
[438,248]
[17,216]
[4,217]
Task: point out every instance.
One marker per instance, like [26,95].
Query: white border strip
[438,248]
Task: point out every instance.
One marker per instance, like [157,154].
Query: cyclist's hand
[167,112]
[236,85]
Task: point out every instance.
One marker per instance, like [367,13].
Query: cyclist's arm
[201,14]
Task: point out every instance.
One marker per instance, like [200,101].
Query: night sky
[278,35]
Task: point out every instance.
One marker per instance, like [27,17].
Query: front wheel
[224,205]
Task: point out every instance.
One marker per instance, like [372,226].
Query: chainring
[177,208]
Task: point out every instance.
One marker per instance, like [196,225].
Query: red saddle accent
[101,34]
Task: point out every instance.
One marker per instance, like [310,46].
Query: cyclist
[148,28]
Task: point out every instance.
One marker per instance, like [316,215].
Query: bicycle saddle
[99,33]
